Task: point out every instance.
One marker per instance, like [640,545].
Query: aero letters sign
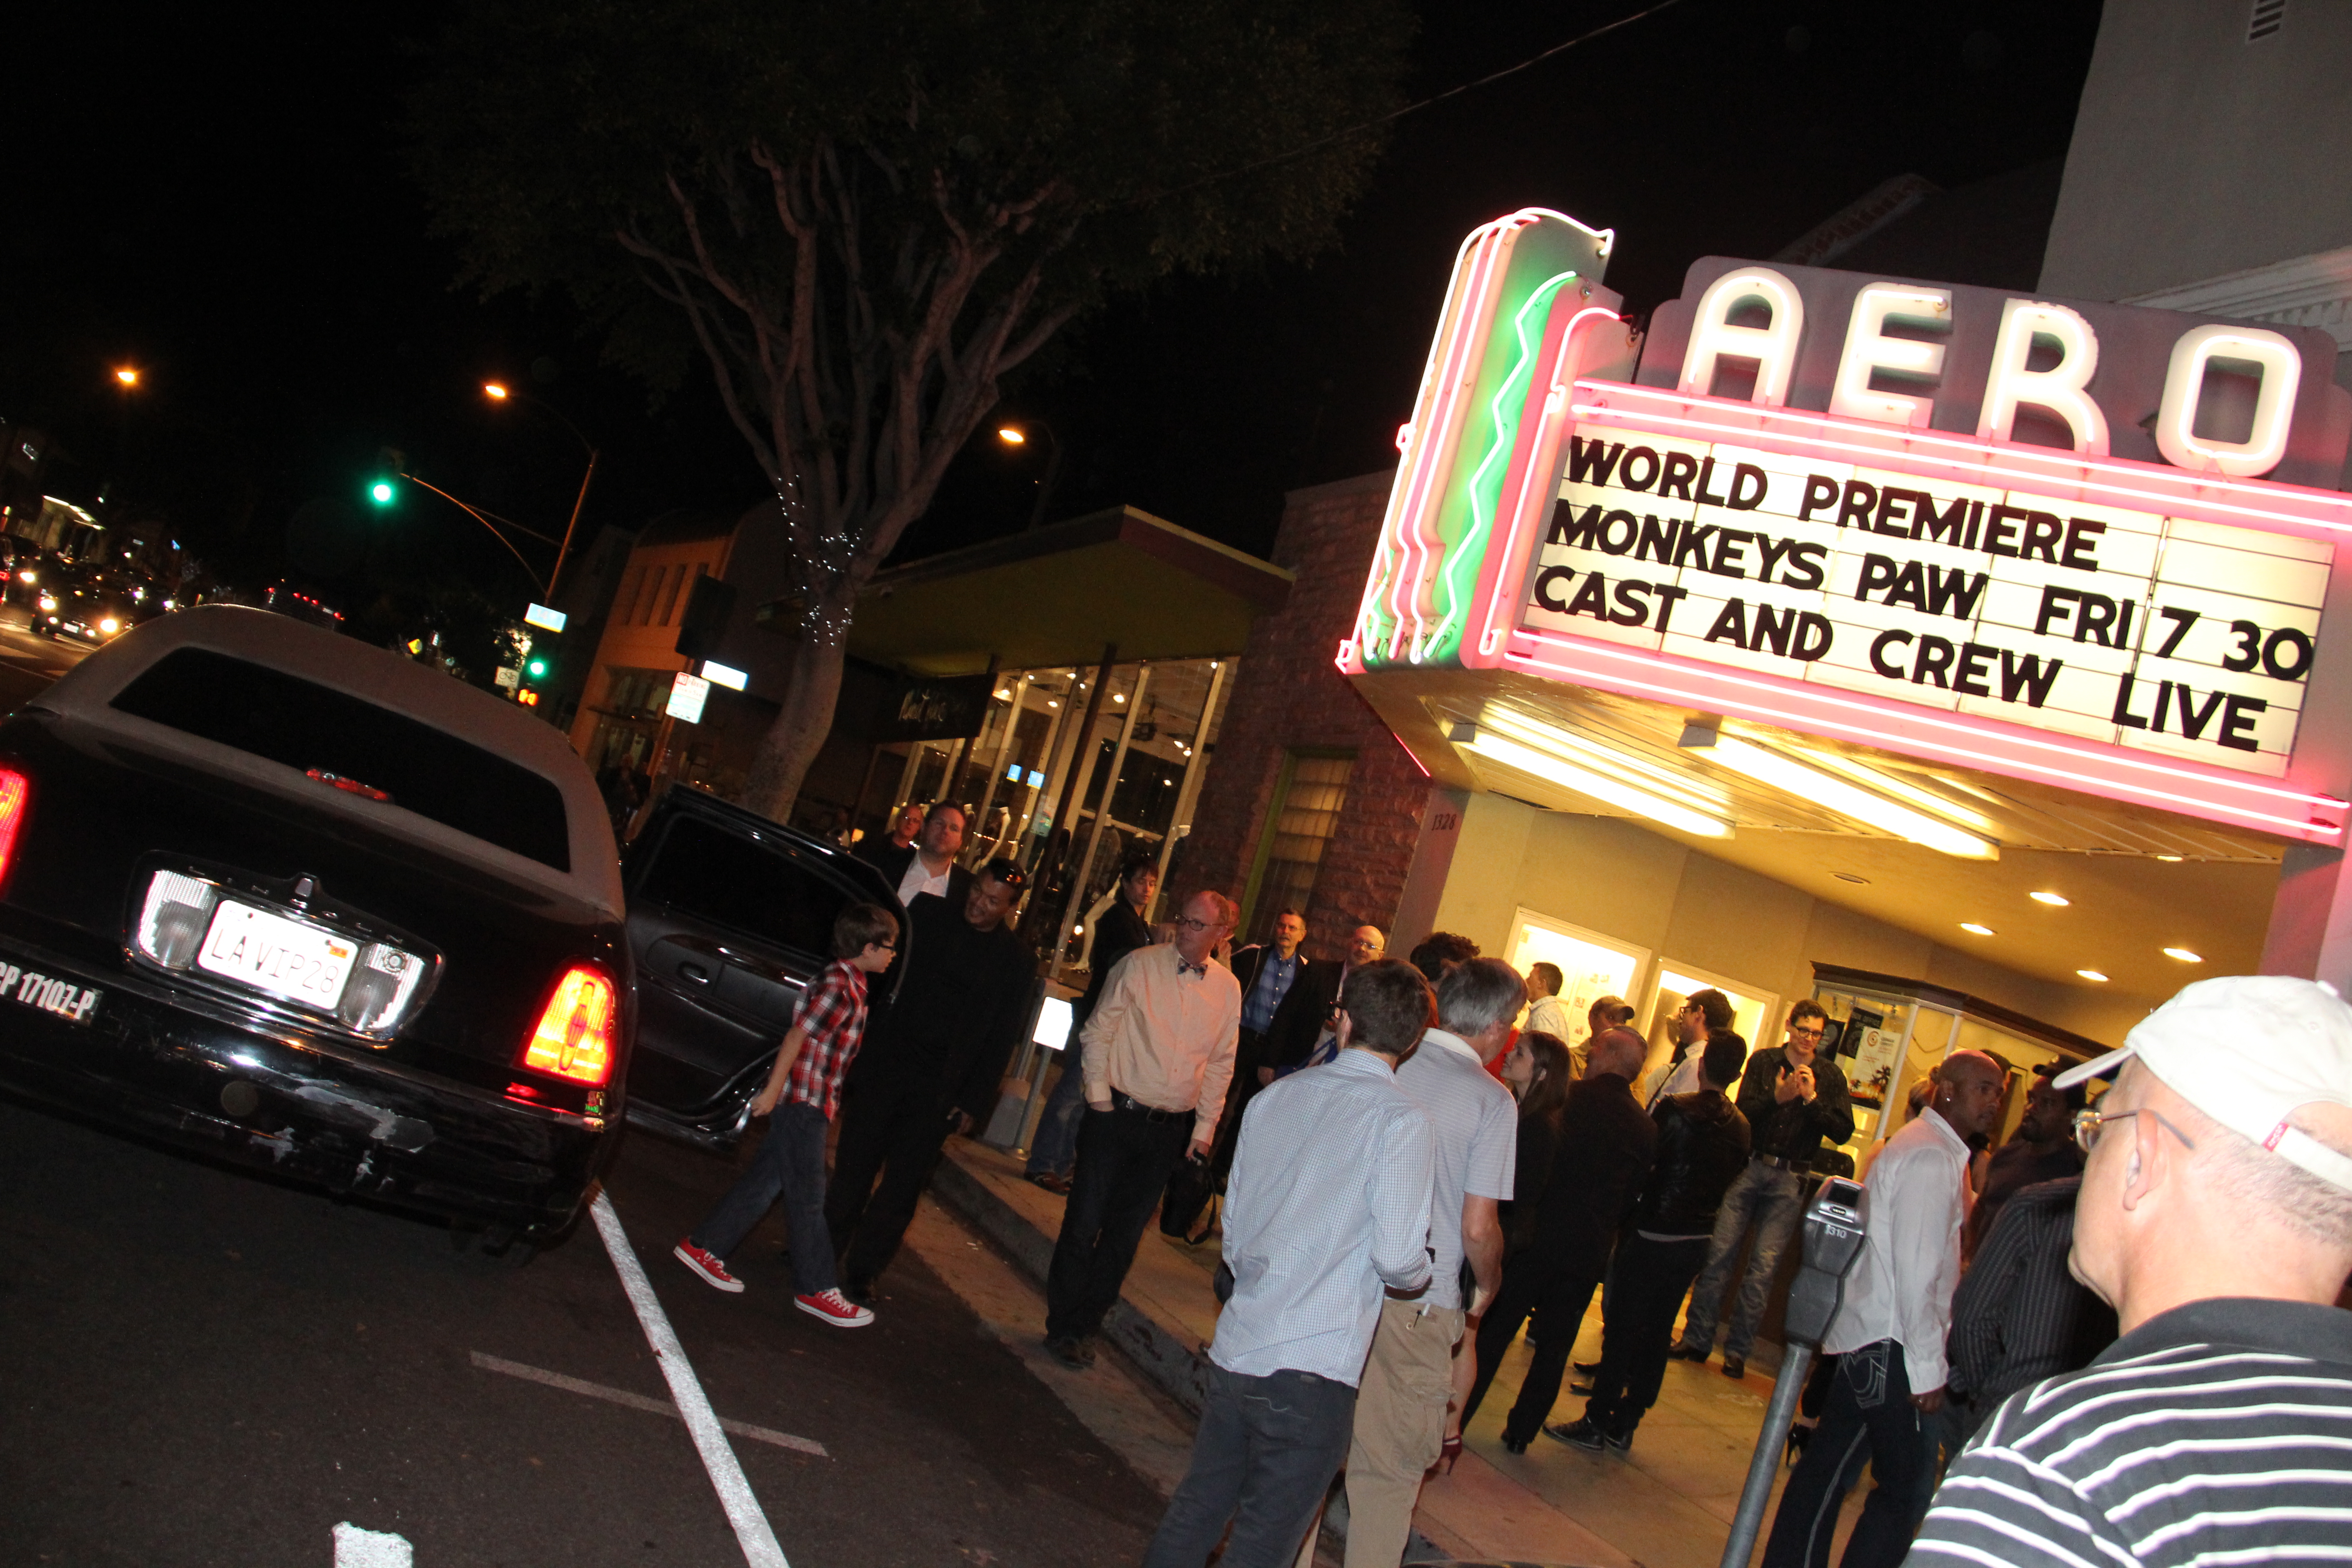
[2068,540]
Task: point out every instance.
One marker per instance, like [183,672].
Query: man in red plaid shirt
[827,1028]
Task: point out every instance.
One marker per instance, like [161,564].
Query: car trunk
[106,813]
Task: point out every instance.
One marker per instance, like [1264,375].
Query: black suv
[730,917]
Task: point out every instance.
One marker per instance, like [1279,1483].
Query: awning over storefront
[1057,596]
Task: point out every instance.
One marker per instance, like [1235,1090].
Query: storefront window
[1591,965]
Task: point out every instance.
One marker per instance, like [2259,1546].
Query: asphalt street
[203,1366]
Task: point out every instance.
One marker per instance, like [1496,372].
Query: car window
[710,874]
[268,714]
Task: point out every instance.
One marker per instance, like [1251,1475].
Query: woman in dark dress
[1538,1070]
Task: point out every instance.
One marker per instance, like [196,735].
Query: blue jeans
[1772,1200]
[1869,1408]
[790,1161]
[1265,1453]
[1056,1148]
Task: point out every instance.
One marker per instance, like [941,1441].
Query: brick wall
[1290,695]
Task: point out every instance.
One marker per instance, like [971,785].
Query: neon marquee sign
[2130,614]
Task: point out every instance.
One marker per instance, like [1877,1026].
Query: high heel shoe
[1448,1452]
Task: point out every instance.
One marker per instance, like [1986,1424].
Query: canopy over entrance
[1057,596]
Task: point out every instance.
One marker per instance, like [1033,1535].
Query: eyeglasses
[1802,1033]
[1186,922]
[2088,1124]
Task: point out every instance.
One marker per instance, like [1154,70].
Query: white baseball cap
[2247,1050]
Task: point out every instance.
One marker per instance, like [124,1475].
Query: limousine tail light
[178,911]
[380,987]
[16,790]
[574,1038]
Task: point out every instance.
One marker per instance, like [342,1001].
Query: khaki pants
[1400,1426]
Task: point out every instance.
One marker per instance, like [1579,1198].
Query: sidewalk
[1667,1505]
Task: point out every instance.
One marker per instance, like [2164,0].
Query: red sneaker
[712,1269]
[833,1306]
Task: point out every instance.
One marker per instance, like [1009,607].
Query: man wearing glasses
[2216,1217]
[1794,1099]
[1158,1054]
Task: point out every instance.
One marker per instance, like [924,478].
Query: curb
[1174,1367]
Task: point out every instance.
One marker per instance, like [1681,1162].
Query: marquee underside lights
[1558,770]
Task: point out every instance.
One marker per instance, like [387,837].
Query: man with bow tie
[1158,1056]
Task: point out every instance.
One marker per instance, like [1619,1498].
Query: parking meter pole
[1834,1227]
[1748,1522]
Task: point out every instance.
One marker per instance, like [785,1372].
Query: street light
[1013,436]
[498,391]
[128,376]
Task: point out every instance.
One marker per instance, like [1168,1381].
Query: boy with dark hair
[827,1028]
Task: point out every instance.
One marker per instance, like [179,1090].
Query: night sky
[216,196]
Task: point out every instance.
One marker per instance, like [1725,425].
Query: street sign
[718,674]
[545,619]
[687,693]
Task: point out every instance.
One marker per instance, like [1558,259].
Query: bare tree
[860,218]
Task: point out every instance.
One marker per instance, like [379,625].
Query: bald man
[1889,1333]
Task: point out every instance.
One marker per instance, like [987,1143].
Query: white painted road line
[639,1401]
[357,1548]
[751,1529]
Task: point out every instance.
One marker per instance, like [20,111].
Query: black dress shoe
[861,1291]
[1735,1365]
[1690,1352]
[1585,1368]
[1579,1433]
[1073,1354]
[1516,1445]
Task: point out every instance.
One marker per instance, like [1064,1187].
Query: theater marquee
[2053,540]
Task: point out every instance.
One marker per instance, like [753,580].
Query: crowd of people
[1410,1164]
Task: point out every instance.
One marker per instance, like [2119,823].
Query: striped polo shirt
[2220,1432]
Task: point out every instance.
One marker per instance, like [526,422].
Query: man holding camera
[1158,1054]
[1794,1099]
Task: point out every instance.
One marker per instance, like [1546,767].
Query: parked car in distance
[730,916]
[276,895]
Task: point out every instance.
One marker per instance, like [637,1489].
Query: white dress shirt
[918,879]
[1901,1286]
[1328,1200]
[1549,1015]
[1681,1079]
[1165,1035]
[1477,1124]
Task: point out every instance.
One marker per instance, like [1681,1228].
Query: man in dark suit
[931,1065]
[1121,930]
[1269,971]
[1303,1022]
[1607,1144]
[903,828]
[926,867]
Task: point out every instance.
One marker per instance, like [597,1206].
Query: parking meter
[1833,1233]
[1834,1225]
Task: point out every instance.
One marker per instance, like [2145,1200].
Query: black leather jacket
[1702,1146]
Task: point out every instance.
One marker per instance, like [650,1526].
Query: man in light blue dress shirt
[1328,1210]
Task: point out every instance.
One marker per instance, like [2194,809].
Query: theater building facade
[1975,662]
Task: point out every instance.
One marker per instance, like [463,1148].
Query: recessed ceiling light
[2173,858]
[1972,926]
[2184,956]
[2056,901]
[2092,974]
[1850,877]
